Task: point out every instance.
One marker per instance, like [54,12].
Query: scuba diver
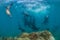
[29,21]
[33,25]
[45,23]
[46,20]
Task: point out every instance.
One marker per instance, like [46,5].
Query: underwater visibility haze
[18,16]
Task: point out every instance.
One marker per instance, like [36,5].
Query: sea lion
[8,10]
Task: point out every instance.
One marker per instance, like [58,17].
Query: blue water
[9,26]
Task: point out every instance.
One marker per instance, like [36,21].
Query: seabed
[42,35]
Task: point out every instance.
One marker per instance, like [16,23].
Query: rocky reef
[42,35]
